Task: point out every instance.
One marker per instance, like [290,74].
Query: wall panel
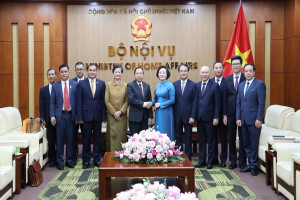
[6,57]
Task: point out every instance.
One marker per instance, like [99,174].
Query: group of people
[217,105]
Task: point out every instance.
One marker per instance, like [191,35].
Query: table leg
[102,185]
[191,181]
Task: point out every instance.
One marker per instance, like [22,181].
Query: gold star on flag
[244,55]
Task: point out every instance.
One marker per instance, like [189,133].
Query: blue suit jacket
[183,105]
[136,101]
[208,106]
[251,106]
[44,107]
[222,90]
[230,95]
[57,100]
[91,108]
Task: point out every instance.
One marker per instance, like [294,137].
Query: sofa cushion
[284,171]
[296,122]
[6,175]
[275,115]
[296,157]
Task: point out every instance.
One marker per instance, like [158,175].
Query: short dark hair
[92,64]
[163,67]
[79,63]
[138,68]
[237,58]
[250,65]
[62,66]
[182,64]
[217,63]
[50,69]
[116,67]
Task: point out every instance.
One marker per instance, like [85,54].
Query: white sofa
[278,120]
[38,143]
[285,183]
[296,160]
[7,171]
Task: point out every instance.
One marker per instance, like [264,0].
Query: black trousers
[136,127]
[178,127]
[221,129]
[51,138]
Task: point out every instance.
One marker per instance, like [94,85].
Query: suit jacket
[91,108]
[222,90]
[44,100]
[251,106]
[230,95]
[136,101]
[57,100]
[207,106]
[183,106]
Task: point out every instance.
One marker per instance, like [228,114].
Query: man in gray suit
[139,96]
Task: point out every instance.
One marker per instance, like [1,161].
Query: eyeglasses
[80,69]
[92,70]
[236,64]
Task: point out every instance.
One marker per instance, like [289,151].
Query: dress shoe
[232,166]
[222,164]
[254,172]
[199,164]
[52,164]
[245,169]
[97,163]
[215,162]
[209,166]
[60,166]
[85,165]
[70,165]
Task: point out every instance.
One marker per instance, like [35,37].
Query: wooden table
[269,168]
[20,172]
[111,168]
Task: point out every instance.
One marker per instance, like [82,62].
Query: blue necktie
[203,88]
[248,83]
[236,83]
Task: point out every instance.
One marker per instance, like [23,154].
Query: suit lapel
[250,88]
[60,89]
[137,87]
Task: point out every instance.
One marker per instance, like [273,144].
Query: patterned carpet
[217,183]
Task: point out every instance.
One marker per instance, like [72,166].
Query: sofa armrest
[284,151]
[6,153]
[16,143]
[33,138]
[296,157]
[287,139]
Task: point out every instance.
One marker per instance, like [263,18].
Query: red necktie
[66,98]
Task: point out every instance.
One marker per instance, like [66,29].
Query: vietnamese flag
[239,44]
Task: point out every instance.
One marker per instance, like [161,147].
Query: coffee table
[111,168]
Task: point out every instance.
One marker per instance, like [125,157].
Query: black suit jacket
[230,96]
[183,105]
[136,102]
[207,106]
[44,100]
[222,90]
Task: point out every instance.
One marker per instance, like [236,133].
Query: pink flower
[176,152]
[154,140]
[169,153]
[158,148]
[159,157]
[173,191]
[153,151]
[149,155]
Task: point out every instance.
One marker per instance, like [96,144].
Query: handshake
[148,104]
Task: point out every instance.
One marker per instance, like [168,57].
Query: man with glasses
[91,112]
[79,70]
[229,112]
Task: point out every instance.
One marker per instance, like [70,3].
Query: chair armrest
[6,153]
[33,138]
[296,157]
[16,143]
[284,151]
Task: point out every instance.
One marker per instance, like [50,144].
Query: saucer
[17,154]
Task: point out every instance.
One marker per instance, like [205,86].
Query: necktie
[218,80]
[248,83]
[236,83]
[66,98]
[92,87]
[203,88]
[182,87]
[141,89]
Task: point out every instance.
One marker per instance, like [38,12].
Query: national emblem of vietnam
[141,28]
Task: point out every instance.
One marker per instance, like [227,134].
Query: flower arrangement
[149,146]
[155,191]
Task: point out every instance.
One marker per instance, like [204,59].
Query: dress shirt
[220,80]
[250,82]
[63,89]
[50,88]
[80,79]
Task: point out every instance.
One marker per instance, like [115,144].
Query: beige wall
[193,35]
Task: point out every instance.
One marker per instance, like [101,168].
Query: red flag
[239,44]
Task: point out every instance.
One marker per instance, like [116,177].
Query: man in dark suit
[139,99]
[185,95]
[207,113]
[221,128]
[250,108]
[44,100]
[91,112]
[79,70]
[63,114]
[229,112]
